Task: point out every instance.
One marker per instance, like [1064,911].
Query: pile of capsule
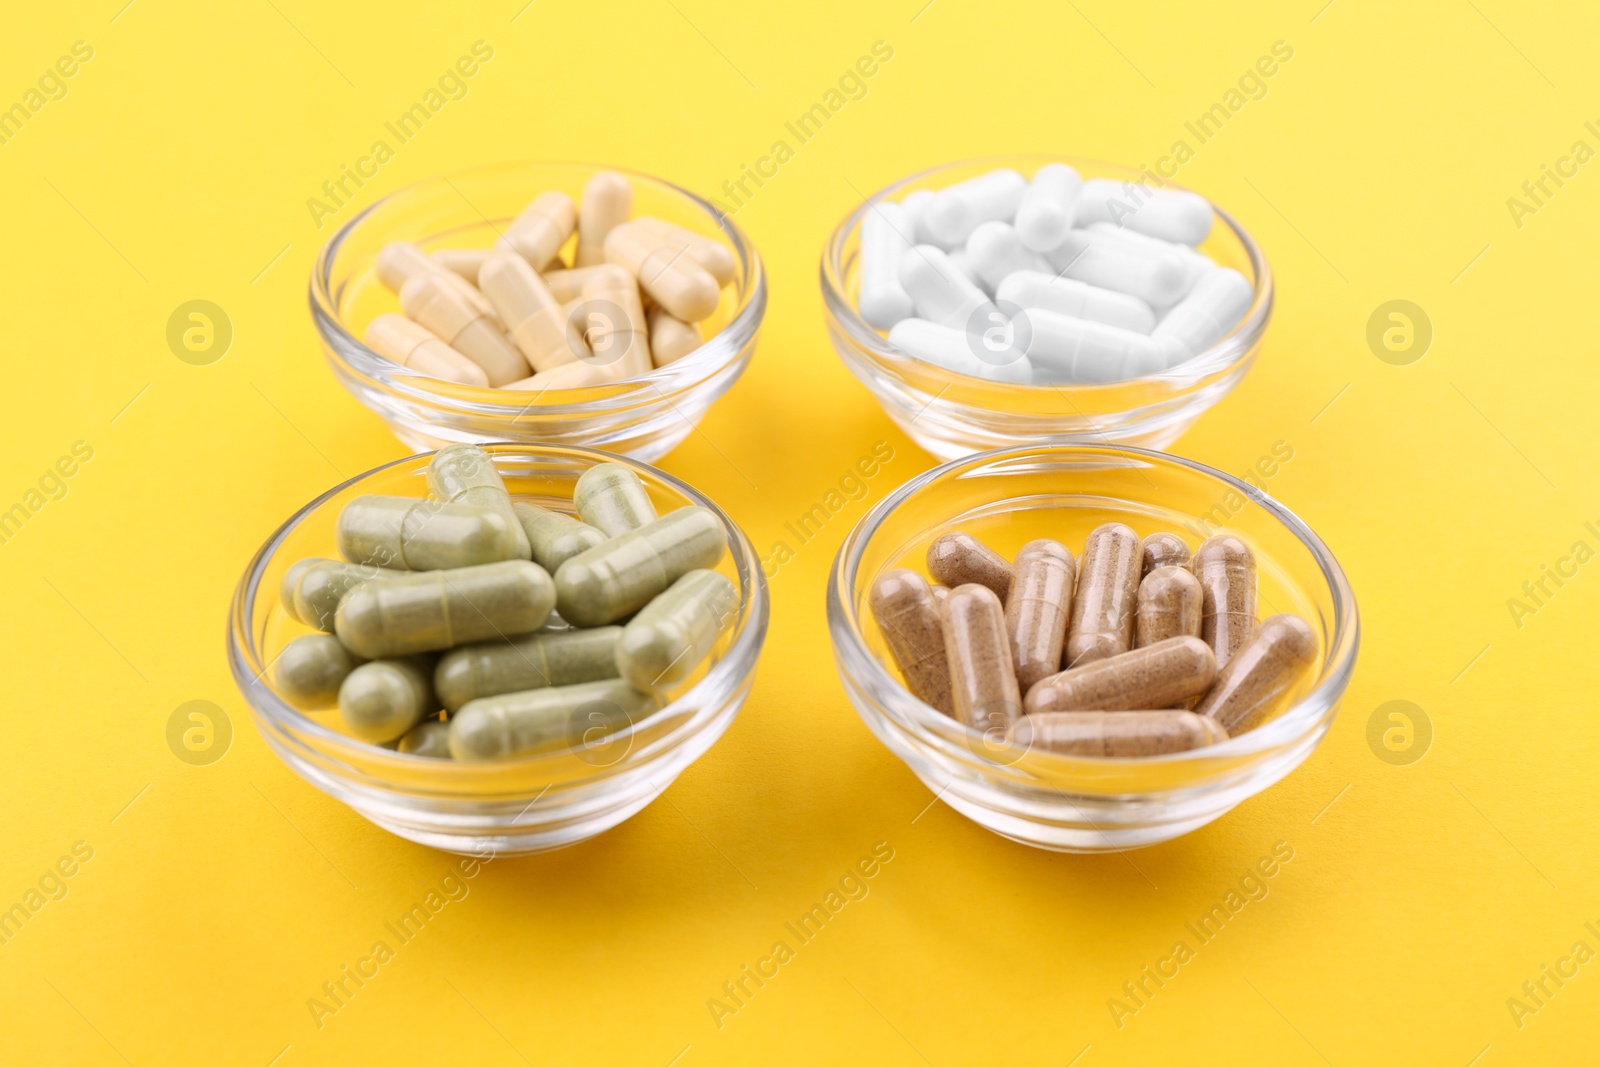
[517,316]
[1105,274]
[1134,650]
[447,603]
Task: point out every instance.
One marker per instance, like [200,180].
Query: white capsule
[1065,349]
[995,252]
[951,348]
[1158,278]
[1046,292]
[956,210]
[1198,264]
[1048,205]
[958,256]
[916,205]
[940,289]
[1210,313]
[1170,214]
[886,236]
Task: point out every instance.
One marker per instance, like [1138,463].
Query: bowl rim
[250,674]
[352,356]
[1233,349]
[850,647]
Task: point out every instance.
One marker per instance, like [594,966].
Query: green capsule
[435,610]
[546,720]
[612,499]
[465,474]
[543,659]
[555,537]
[675,631]
[323,586]
[382,700]
[608,581]
[431,738]
[291,579]
[423,535]
[310,670]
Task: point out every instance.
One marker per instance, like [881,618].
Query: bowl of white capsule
[994,302]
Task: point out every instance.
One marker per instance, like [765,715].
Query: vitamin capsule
[1065,349]
[401,261]
[1108,589]
[539,232]
[996,252]
[565,657]
[625,573]
[956,559]
[567,285]
[1048,205]
[1227,571]
[1210,311]
[941,292]
[887,233]
[1261,673]
[956,210]
[1164,675]
[290,581]
[1158,278]
[916,205]
[607,201]
[1170,214]
[673,633]
[670,339]
[430,738]
[716,257]
[958,256]
[1168,606]
[465,474]
[618,333]
[433,303]
[382,700]
[983,684]
[531,313]
[310,669]
[1037,609]
[320,589]
[423,535]
[612,499]
[907,611]
[673,280]
[434,610]
[951,348]
[397,338]
[1196,263]
[941,593]
[1118,734]
[1163,550]
[546,720]
[1037,290]
[579,374]
[554,537]
[464,262]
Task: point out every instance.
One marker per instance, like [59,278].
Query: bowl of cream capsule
[507,647]
[1090,648]
[540,303]
[998,301]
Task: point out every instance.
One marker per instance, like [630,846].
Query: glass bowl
[952,414]
[530,803]
[644,417]
[1008,497]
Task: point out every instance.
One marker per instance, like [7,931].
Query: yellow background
[220,897]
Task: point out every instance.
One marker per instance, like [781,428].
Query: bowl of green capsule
[509,648]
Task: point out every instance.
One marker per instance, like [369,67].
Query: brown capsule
[957,558]
[908,615]
[1164,550]
[1116,733]
[1108,589]
[1037,609]
[941,593]
[983,685]
[1169,606]
[1261,673]
[1227,571]
[1161,676]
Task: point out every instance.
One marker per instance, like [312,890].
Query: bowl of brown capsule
[1090,649]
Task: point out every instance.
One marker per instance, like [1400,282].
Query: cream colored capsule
[670,339]
[432,302]
[462,261]
[543,227]
[531,313]
[716,257]
[615,327]
[676,282]
[400,261]
[567,285]
[577,375]
[607,201]
[398,338]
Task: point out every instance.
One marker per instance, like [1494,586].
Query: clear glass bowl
[644,417]
[1008,497]
[527,804]
[952,415]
